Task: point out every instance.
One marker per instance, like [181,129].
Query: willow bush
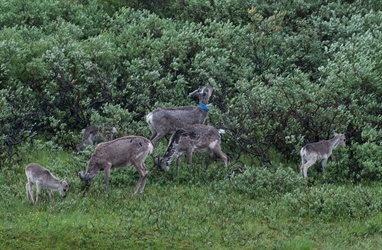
[285,73]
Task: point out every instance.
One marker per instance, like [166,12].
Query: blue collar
[203,107]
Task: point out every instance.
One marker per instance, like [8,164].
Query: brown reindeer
[185,141]
[121,152]
[165,121]
[43,178]
[319,151]
[96,134]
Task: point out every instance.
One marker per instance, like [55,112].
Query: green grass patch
[260,209]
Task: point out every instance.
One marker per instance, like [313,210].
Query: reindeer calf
[43,178]
[184,141]
[317,151]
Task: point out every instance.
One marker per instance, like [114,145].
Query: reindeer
[317,151]
[185,141]
[165,121]
[121,152]
[43,178]
[96,134]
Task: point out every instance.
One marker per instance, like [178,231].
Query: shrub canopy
[285,73]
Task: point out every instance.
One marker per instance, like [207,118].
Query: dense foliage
[285,73]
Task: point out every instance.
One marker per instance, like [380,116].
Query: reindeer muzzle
[157,162]
[158,168]
[81,175]
[86,178]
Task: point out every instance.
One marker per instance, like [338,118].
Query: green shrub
[331,202]
[270,183]
[285,73]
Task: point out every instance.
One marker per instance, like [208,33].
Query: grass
[199,210]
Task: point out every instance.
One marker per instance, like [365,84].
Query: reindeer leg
[220,153]
[177,166]
[144,179]
[304,172]
[51,195]
[106,168]
[29,191]
[157,137]
[143,172]
[333,157]
[107,174]
[153,136]
[305,169]
[302,166]
[323,164]
[38,191]
[28,195]
[209,159]
[189,156]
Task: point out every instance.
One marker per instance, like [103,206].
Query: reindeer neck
[335,141]
[202,106]
[169,156]
[54,184]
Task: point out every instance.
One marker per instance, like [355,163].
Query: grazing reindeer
[121,152]
[184,141]
[165,121]
[96,134]
[317,151]
[43,178]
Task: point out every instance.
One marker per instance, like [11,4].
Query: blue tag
[203,107]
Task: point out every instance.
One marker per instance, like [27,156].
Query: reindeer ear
[335,133]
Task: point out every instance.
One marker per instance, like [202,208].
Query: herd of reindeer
[188,134]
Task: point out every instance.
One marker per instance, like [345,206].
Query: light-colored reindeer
[121,152]
[96,134]
[165,121]
[317,151]
[185,141]
[43,178]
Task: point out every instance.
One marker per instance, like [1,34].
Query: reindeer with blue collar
[167,120]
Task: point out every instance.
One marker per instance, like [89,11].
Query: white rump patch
[303,151]
[151,147]
[149,117]
[213,144]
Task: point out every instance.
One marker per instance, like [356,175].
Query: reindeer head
[203,94]
[87,178]
[113,132]
[63,188]
[340,138]
[160,164]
